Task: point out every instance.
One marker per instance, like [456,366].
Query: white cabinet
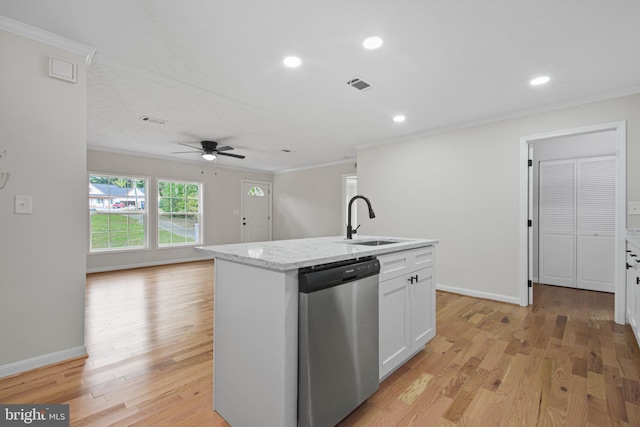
[407,305]
[633,289]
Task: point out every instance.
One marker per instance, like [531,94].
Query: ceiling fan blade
[190,146]
[182,152]
[232,155]
[225,148]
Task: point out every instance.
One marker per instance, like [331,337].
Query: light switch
[23,205]
[634,208]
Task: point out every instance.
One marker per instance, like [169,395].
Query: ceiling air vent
[359,83]
[153,120]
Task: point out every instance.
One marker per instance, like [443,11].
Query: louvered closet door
[596,223]
[557,222]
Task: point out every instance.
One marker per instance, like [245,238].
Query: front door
[256,211]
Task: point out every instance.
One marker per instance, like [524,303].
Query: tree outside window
[179,213]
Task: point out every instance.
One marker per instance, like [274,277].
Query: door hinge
[529,223]
[530,284]
[530,162]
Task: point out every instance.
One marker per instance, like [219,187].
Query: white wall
[222,200]
[461,187]
[308,202]
[42,255]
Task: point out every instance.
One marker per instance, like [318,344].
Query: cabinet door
[423,307]
[395,343]
[631,293]
[636,305]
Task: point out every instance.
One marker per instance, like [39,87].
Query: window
[256,191]
[118,216]
[179,213]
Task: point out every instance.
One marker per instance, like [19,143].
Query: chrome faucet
[371,214]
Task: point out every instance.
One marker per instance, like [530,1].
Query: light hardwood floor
[149,336]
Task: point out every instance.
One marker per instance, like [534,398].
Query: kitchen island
[256,320]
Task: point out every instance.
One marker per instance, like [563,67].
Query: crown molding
[46,37]
[320,165]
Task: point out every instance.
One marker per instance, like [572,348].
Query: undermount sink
[373,242]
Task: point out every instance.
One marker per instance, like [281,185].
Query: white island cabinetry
[256,318]
[633,286]
[407,305]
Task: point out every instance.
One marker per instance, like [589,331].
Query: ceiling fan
[209,150]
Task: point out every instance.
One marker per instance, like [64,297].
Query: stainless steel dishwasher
[338,340]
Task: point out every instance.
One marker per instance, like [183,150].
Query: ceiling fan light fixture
[209,156]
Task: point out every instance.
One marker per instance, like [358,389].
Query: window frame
[200,214]
[144,212]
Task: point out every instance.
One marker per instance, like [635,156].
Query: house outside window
[179,213]
[117,208]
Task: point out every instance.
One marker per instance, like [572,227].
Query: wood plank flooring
[149,332]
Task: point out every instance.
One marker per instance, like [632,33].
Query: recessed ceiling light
[540,80]
[292,61]
[399,118]
[372,43]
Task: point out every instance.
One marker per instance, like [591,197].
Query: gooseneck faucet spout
[371,213]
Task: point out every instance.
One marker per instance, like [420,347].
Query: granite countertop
[634,240]
[293,254]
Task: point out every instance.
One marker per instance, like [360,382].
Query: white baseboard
[478,294]
[40,361]
[145,264]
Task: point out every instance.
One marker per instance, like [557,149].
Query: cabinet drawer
[633,256]
[399,263]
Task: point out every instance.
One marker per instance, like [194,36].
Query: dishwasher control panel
[312,279]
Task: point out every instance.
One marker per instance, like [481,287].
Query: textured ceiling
[213,69]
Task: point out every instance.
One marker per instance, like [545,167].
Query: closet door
[596,223]
[557,222]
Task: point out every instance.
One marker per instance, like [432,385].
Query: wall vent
[359,83]
[63,70]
